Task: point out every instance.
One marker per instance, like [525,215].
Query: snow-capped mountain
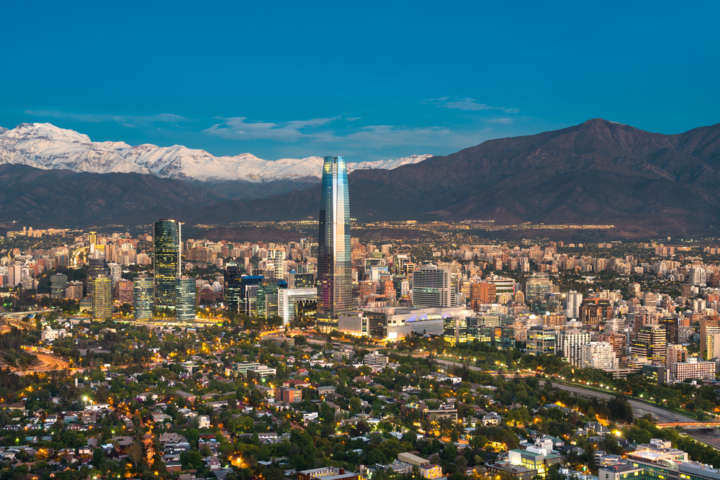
[45,146]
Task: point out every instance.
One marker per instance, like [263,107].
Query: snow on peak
[46,146]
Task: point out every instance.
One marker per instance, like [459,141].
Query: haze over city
[333,241]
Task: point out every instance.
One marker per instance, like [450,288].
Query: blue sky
[369,79]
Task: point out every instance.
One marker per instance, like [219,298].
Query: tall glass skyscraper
[143,297]
[167,244]
[185,311]
[102,305]
[334,268]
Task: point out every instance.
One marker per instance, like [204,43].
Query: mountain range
[598,172]
[45,146]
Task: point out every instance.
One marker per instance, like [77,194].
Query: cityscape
[344,241]
[159,354]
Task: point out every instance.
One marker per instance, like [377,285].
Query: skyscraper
[233,287]
[432,287]
[58,282]
[185,310]
[574,300]
[167,241]
[102,298]
[143,297]
[334,270]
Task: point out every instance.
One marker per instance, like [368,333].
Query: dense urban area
[158,354]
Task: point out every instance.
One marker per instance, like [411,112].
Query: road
[46,363]
[709,437]
[640,409]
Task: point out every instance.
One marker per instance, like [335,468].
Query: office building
[185,307]
[296,303]
[96,267]
[143,297]
[538,287]
[481,293]
[691,370]
[167,252]
[102,298]
[599,355]
[574,300]
[432,288]
[276,263]
[657,460]
[334,250]
[232,291]
[58,283]
[595,311]
[124,291]
[650,344]
[74,290]
[504,288]
[571,343]
[541,341]
[709,338]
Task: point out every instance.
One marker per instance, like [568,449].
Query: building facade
[334,250]
[143,297]
[167,241]
[185,306]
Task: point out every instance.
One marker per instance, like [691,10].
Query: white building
[598,355]
[288,299]
[574,300]
[276,262]
[570,344]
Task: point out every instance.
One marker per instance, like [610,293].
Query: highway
[640,409]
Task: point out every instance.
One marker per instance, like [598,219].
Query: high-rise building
[296,302]
[709,338]
[102,298]
[504,288]
[74,290]
[600,355]
[650,344]
[574,300]
[124,291]
[594,311]
[96,267]
[58,282]
[432,287]
[334,250]
[143,297]
[541,341]
[233,287]
[167,245]
[185,307]
[537,287]
[276,263]
[570,344]
[482,293]
[698,276]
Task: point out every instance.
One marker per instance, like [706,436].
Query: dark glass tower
[334,269]
[167,241]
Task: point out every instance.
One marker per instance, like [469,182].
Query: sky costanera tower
[334,267]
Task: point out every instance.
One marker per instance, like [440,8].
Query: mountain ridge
[46,146]
[597,172]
